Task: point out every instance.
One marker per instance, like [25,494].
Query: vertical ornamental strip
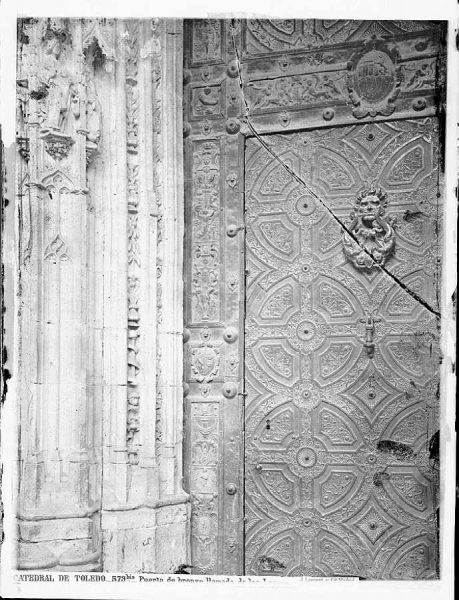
[214,265]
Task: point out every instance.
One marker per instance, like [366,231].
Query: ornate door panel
[313,346]
[341,360]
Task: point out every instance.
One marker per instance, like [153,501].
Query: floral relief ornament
[372,231]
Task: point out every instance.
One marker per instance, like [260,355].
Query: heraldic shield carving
[374,80]
[373,232]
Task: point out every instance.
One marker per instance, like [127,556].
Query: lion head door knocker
[369,239]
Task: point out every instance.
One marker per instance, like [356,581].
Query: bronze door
[312,195]
[341,362]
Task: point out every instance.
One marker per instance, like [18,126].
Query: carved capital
[57,144]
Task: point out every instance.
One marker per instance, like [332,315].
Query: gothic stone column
[59,494]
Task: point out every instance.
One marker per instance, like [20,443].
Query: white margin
[356,9]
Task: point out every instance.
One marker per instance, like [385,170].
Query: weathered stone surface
[100,199]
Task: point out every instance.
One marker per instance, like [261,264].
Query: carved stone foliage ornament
[374,80]
[57,145]
[131,47]
[369,227]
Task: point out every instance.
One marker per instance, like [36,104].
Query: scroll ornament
[369,239]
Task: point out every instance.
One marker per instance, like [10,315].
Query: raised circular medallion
[305,205]
[306,457]
[306,330]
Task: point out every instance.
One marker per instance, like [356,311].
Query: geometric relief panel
[373,525]
[278,486]
[410,489]
[251,519]
[278,360]
[335,429]
[326,240]
[369,139]
[409,426]
[278,304]
[279,555]
[275,182]
[279,236]
[370,393]
[265,36]
[408,166]
[409,356]
[414,560]
[398,305]
[277,428]
[335,175]
[333,300]
[334,359]
[332,556]
[413,231]
[335,487]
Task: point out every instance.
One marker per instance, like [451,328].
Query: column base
[146,539]
[69,544]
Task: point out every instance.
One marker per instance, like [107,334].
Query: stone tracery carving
[101,32]
[57,250]
[373,232]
